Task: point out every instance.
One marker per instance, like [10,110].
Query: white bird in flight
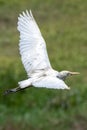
[35,59]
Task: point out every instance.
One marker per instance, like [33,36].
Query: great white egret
[35,58]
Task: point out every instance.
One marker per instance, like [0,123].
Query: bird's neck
[62,76]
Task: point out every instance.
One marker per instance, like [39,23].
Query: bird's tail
[24,83]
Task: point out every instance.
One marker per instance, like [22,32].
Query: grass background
[63,24]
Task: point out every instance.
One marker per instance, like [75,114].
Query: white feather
[50,82]
[32,45]
[34,56]
[24,83]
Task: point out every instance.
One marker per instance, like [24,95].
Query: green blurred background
[63,24]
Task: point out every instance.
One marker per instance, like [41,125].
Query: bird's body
[48,78]
[35,58]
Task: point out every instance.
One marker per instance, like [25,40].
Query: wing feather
[50,82]
[32,45]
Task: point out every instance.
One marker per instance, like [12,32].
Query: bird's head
[65,73]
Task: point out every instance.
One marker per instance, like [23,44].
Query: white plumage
[50,82]
[32,45]
[35,58]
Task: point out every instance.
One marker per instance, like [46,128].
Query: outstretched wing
[32,45]
[50,82]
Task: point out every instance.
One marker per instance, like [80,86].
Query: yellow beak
[74,73]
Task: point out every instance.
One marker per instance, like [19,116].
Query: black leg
[12,90]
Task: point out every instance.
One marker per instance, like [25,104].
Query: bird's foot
[11,90]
